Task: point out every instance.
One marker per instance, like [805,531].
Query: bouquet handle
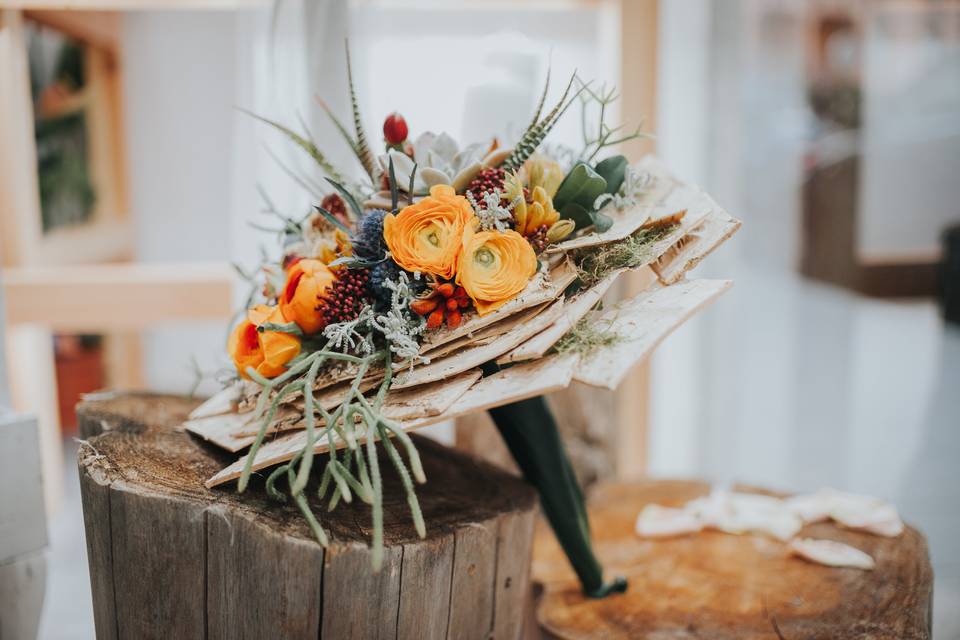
[530,432]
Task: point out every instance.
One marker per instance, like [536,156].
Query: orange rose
[268,352]
[495,266]
[426,236]
[307,281]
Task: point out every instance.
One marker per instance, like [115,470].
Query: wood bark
[171,558]
[728,587]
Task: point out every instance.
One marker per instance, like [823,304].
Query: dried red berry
[395,129]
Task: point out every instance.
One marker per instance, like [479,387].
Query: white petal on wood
[573,310]
[656,521]
[696,245]
[514,384]
[475,356]
[224,401]
[830,553]
[539,290]
[430,400]
[865,513]
[642,323]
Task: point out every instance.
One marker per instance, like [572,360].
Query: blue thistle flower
[368,243]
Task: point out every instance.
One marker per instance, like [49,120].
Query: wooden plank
[224,401]
[425,589]
[346,572]
[474,568]
[716,229]
[128,296]
[242,556]
[95,498]
[642,323]
[514,546]
[475,356]
[19,193]
[159,563]
[99,28]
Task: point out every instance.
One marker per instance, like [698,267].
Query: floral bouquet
[447,281]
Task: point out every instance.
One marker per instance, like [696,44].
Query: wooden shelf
[117,297]
[132,5]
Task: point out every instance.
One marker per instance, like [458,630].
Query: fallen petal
[830,553]
[656,521]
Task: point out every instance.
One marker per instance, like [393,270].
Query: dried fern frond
[543,100]
[304,143]
[340,127]
[362,148]
[535,135]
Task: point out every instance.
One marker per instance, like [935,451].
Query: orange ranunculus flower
[495,266]
[426,236]
[307,281]
[267,352]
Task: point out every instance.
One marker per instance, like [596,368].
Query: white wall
[179,89]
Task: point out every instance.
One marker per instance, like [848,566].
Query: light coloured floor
[800,386]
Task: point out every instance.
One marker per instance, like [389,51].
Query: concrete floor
[809,387]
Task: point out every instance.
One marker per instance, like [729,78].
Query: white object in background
[656,521]
[830,553]
[23,527]
[850,510]
[745,512]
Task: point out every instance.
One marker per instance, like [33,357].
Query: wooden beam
[98,28]
[117,297]
[638,86]
[19,193]
[134,5]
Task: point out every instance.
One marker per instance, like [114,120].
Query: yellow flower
[530,216]
[267,352]
[426,236]
[495,266]
[543,172]
[307,281]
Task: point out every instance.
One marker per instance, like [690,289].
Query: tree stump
[172,559]
[727,587]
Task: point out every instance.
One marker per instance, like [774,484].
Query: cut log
[725,587]
[171,558]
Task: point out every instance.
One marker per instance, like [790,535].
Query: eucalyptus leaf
[354,205]
[332,219]
[394,190]
[613,170]
[287,327]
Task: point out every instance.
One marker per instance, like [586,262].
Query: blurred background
[128,179]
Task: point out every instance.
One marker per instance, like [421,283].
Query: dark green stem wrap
[532,436]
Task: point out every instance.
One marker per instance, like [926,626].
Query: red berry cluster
[445,303]
[346,297]
[488,180]
[538,239]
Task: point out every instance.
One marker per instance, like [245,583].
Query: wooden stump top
[720,586]
[170,558]
[134,438]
